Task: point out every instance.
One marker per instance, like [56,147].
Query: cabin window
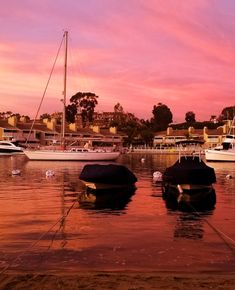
[226,146]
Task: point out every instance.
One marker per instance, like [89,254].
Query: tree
[58,116]
[118,116]
[125,122]
[71,112]
[190,117]
[118,108]
[213,118]
[45,116]
[227,113]
[84,102]
[17,115]
[27,118]
[147,135]
[162,117]
[5,115]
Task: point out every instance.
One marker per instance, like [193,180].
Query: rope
[45,90]
[221,234]
[39,239]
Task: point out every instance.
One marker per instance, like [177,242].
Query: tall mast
[65,86]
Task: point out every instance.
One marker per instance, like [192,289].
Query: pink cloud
[138,53]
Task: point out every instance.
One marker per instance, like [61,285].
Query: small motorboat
[189,182]
[106,176]
[226,151]
[8,148]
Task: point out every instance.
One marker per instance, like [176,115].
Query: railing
[173,150]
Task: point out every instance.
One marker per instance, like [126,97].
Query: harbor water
[49,224]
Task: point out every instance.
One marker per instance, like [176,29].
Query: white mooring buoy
[16,172]
[50,173]
[157,176]
[229,176]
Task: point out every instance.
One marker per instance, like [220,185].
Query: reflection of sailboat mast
[63,214]
[61,221]
[65,88]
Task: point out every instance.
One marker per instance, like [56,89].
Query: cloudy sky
[135,52]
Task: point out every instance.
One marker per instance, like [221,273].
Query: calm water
[135,232]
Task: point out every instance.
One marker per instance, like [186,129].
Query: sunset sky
[135,52]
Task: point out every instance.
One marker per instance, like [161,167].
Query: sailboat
[226,151]
[72,154]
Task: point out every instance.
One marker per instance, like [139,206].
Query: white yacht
[72,155]
[8,148]
[226,151]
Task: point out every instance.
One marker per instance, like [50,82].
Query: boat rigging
[72,154]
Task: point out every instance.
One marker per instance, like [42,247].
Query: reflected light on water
[72,229]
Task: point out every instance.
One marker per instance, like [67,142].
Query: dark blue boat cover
[189,170]
[108,174]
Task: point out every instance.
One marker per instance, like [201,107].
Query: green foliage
[196,125]
[70,113]
[5,115]
[27,118]
[125,122]
[83,102]
[119,117]
[162,117]
[147,135]
[190,117]
[45,116]
[118,108]
[227,113]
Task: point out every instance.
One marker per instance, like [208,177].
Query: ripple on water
[50,221]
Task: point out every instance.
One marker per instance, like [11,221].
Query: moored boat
[8,148]
[226,151]
[72,155]
[189,182]
[106,176]
[223,153]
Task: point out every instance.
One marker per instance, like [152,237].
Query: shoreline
[119,280]
[166,151]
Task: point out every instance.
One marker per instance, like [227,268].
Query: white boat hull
[71,155]
[11,153]
[220,155]
[9,148]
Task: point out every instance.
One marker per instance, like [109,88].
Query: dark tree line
[84,103]
[228,113]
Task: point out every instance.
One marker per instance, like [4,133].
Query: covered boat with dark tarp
[104,176]
[189,181]
[189,170]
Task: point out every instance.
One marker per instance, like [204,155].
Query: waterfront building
[9,130]
[211,137]
[46,132]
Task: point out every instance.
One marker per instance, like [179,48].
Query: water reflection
[191,202]
[111,200]
[120,231]
[189,226]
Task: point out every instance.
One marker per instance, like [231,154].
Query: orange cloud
[137,53]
